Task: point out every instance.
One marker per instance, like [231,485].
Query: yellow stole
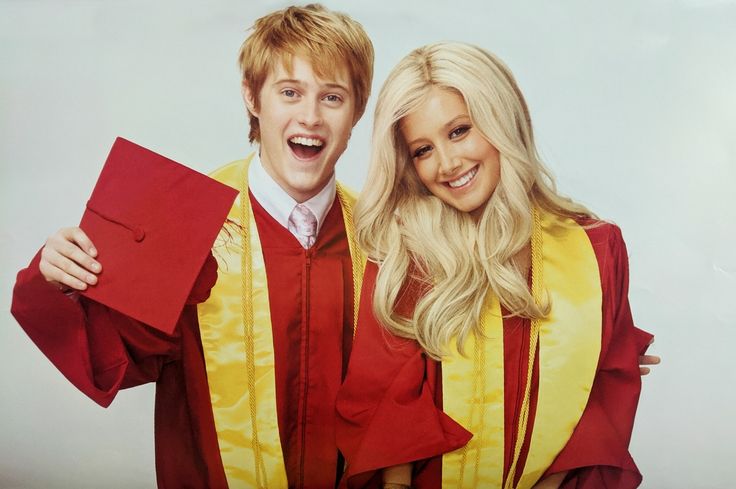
[565,266]
[235,327]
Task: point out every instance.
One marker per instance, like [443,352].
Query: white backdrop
[634,110]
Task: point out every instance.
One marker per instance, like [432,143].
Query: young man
[246,384]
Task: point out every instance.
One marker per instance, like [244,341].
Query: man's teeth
[464,179]
[306,141]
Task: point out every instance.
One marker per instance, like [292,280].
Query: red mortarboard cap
[153,222]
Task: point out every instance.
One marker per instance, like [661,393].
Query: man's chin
[305,188]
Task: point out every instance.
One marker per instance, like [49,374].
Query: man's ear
[248,98]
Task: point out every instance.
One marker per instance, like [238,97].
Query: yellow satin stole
[565,266]
[235,327]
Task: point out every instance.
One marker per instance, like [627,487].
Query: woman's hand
[551,482]
[397,477]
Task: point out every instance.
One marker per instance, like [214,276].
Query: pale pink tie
[303,225]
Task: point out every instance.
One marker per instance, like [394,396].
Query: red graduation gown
[311,296]
[390,406]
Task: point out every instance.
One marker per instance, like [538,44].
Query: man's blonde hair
[329,40]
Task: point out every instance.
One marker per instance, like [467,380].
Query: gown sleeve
[96,348]
[386,408]
[597,454]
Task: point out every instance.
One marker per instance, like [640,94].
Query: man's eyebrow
[294,81]
[337,85]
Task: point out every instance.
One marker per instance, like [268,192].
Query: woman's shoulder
[609,247]
[604,235]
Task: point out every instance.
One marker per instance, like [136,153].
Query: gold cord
[356,256]
[248,321]
[481,360]
[479,390]
[537,274]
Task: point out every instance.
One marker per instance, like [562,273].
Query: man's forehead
[302,68]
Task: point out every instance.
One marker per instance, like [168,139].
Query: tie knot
[303,225]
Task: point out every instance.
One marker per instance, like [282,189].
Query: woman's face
[451,157]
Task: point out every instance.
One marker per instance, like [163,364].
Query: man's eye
[289,93]
[420,151]
[459,131]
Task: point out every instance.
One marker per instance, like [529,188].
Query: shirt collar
[278,203]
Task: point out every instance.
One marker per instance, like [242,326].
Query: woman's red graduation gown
[390,406]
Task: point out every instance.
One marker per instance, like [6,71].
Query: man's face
[305,124]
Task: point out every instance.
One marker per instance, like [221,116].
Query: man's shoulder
[347,193]
[230,172]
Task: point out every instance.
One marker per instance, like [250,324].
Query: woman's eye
[459,131]
[289,93]
[421,151]
[333,98]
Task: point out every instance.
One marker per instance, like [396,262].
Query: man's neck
[279,203]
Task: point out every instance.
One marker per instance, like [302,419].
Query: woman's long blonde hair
[407,230]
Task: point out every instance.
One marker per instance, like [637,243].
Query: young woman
[495,345]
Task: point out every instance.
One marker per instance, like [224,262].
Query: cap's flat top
[153,222]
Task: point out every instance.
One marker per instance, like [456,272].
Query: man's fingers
[56,267]
[80,238]
[60,278]
[73,244]
[76,254]
[68,281]
[644,370]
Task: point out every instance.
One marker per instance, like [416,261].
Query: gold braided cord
[480,353]
[473,404]
[248,321]
[464,458]
[477,401]
[356,256]
[537,284]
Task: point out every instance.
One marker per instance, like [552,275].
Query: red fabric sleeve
[597,454]
[386,409]
[97,349]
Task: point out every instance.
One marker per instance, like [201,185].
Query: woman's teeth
[464,179]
